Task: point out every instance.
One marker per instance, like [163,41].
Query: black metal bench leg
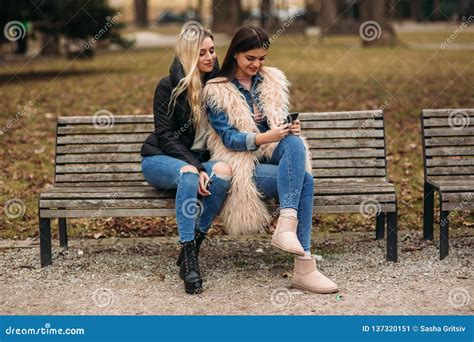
[380,226]
[392,237]
[444,235]
[62,232]
[45,241]
[428,212]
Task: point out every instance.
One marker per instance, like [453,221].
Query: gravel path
[242,276]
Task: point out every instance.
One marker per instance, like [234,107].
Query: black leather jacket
[174,132]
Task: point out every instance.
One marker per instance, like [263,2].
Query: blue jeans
[193,212]
[283,176]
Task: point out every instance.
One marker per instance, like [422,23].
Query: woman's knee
[294,142]
[189,175]
[222,170]
[308,180]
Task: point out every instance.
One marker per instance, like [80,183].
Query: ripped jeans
[193,212]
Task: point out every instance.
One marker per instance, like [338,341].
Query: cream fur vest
[244,211]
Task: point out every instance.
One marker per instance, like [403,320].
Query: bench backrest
[105,150]
[448,143]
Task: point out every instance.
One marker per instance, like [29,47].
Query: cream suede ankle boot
[285,237]
[307,277]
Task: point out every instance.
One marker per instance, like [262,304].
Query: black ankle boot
[189,268]
[199,237]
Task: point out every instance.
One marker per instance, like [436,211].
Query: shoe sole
[302,287]
[193,288]
[277,245]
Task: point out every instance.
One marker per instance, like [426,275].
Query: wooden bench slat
[442,132]
[432,171]
[345,143]
[450,151]
[99,168]
[450,141]
[352,163]
[89,119]
[142,203]
[350,208]
[319,173]
[443,122]
[350,124]
[107,212]
[100,148]
[327,134]
[102,138]
[450,162]
[350,153]
[97,177]
[353,199]
[450,206]
[117,184]
[459,197]
[98,158]
[115,128]
[446,112]
[349,115]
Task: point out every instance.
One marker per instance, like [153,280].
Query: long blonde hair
[188,48]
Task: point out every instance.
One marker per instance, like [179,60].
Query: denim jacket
[231,137]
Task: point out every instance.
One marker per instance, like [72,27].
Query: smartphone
[292,117]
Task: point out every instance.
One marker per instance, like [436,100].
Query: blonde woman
[175,155]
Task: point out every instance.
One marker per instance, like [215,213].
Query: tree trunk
[375,28]
[49,44]
[141,13]
[328,16]
[226,16]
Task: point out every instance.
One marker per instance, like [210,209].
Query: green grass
[335,75]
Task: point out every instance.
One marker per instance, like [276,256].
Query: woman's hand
[273,135]
[295,127]
[203,181]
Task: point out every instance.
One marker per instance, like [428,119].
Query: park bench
[98,172]
[448,150]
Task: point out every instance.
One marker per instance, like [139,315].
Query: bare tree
[141,13]
[328,16]
[376,28]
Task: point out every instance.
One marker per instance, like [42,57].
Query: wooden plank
[142,203]
[99,168]
[99,148]
[130,212]
[120,183]
[102,138]
[451,179]
[350,153]
[433,171]
[450,206]
[353,199]
[64,120]
[334,173]
[318,191]
[354,124]
[115,128]
[446,112]
[100,189]
[458,197]
[337,163]
[450,162]
[109,195]
[99,177]
[446,122]
[449,151]
[457,187]
[345,143]
[352,181]
[350,115]
[98,158]
[449,141]
[349,208]
[443,132]
[326,134]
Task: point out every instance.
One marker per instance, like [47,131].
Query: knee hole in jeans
[222,170]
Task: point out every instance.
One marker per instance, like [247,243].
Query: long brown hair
[246,38]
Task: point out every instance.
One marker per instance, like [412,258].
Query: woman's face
[250,62]
[207,56]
